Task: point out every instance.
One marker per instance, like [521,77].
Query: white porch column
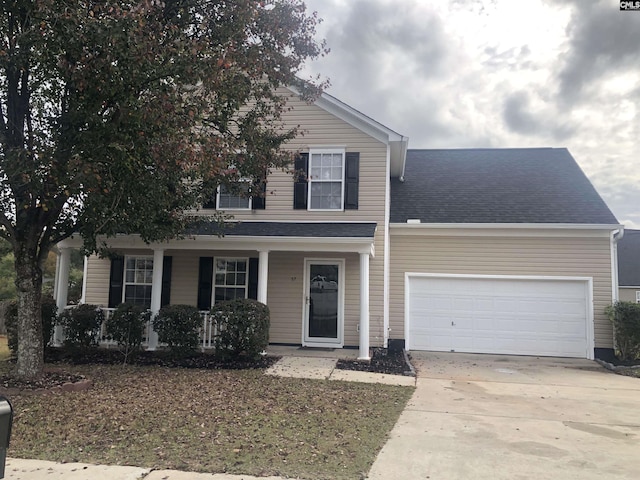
[156,295]
[263,274]
[85,269]
[62,289]
[364,307]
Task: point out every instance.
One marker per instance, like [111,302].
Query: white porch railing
[105,341]
[208,331]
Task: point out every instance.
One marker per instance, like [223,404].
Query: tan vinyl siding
[97,290]
[321,129]
[285,296]
[627,294]
[285,293]
[576,257]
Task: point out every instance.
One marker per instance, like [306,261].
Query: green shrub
[127,327]
[626,329]
[82,325]
[49,311]
[242,327]
[178,326]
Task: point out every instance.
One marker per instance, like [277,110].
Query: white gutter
[553,226]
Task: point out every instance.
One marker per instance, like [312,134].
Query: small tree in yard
[625,317]
[179,326]
[127,326]
[242,327]
[117,116]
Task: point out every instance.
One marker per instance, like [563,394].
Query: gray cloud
[517,114]
[521,117]
[603,40]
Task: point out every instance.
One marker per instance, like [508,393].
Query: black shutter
[205,285]
[258,200]
[165,295]
[301,166]
[212,201]
[253,279]
[352,180]
[116,278]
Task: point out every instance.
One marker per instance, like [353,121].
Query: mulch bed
[391,362]
[50,381]
[104,356]
[56,379]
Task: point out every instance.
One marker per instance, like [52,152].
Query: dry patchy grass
[211,421]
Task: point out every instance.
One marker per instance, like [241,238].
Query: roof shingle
[287,229]
[513,185]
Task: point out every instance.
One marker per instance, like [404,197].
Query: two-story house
[496,251]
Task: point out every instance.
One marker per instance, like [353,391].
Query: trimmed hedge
[126,327]
[179,327]
[82,325]
[625,317]
[49,311]
[242,327]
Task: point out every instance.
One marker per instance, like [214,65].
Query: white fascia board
[503,229]
[212,242]
[630,287]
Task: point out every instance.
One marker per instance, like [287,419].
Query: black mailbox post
[6,420]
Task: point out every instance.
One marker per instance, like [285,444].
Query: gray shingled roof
[519,185]
[288,229]
[629,259]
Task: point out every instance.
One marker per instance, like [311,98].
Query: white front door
[323,303]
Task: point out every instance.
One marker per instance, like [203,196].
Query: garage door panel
[489,315]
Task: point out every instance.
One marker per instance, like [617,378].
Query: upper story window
[138,279]
[246,195]
[238,199]
[326,180]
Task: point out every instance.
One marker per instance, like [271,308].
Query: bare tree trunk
[30,362]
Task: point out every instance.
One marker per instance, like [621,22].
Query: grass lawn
[235,421]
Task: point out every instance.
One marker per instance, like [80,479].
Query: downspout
[616,236]
[385,267]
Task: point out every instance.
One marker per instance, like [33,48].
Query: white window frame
[215,271]
[310,179]
[124,279]
[637,296]
[244,209]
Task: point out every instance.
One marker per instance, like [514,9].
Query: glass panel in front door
[323,301]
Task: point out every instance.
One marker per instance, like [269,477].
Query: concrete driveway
[504,417]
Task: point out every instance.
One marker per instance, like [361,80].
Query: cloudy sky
[497,73]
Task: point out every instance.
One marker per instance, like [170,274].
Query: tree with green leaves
[117,116]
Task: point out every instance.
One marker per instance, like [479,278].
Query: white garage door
[506,315]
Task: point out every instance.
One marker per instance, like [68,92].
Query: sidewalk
[20,469]
[319,365]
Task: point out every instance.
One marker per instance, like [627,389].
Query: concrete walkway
[295,362]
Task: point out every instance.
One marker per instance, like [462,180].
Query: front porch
[315,280]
